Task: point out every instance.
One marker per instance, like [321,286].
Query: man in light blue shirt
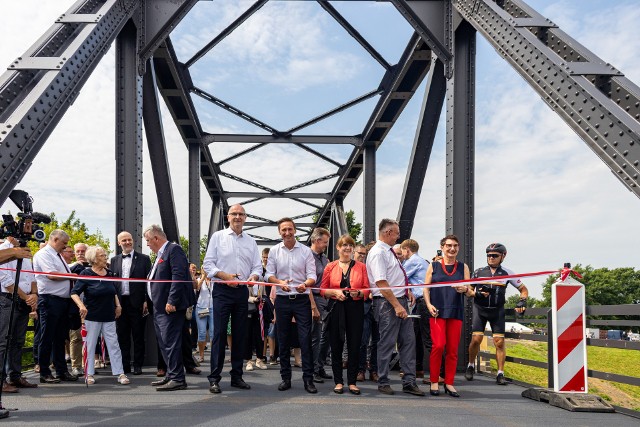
[291,266]
[416,268]
[232,255]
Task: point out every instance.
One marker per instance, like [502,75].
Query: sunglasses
[493,255]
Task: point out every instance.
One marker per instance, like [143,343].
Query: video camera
[28,226]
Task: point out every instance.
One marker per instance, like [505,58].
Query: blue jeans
[202,324]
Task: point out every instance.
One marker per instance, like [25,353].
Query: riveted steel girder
[35,95]
[591,96]
[422,144]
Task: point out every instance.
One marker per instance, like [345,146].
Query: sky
[539,188]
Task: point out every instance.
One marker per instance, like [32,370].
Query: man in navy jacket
[170,300]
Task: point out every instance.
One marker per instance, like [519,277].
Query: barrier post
[569,338]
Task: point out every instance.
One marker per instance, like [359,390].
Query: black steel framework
[591,96]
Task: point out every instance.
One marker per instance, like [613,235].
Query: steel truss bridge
[591,96]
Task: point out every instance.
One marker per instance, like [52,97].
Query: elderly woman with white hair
[99,310]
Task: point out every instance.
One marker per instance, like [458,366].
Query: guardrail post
[549,349]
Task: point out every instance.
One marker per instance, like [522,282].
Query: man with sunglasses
[489,299]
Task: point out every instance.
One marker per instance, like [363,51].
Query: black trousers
[300,309]
[53,312]
[169,332]
[346,322]
[130,326]
[185,349]
[227,305]
[422,331]
[253,337]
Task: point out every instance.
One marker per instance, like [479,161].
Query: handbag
[189,313]
[252,308]
[204,312]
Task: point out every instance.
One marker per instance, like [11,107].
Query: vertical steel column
[460,158]
[158,154]
[128,136]
[194,202]
[216,219]
[369,193]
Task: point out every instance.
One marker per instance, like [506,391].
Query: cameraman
[489,299]
[53,307]
[28,294]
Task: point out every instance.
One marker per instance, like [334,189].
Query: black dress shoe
[67,376]
[194,371]
[173,385]
[310,387]
[284,385]
[323,374]
[160,382]
[385,389]
[137,370]
[215,388]
[450,392]
[239,383]
[49,379]
[317,378]
[412,389]
[434,392]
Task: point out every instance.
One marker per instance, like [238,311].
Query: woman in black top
[99,311]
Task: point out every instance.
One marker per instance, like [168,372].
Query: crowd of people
[365,311]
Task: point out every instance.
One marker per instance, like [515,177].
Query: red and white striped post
[569,337]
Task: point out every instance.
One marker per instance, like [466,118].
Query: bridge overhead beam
[591,96]
[38,88]
[128,136]
[194,202]
[216,220]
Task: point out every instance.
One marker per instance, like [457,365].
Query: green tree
[184,242]
[603,286]
[354,227]
[531,301]
[76,229]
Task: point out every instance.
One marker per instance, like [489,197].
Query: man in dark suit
[132,295]
[170,300]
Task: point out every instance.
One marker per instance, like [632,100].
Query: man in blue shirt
[416,268]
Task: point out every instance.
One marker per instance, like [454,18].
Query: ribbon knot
[565,272]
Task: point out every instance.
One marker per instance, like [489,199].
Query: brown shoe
[161,373]
[344,364]
[8,388]
[22,383]
[360,376]
[373,376]
[419,374]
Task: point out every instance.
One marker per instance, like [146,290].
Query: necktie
[404,273]
[66,267]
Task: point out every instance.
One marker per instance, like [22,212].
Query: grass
[611,360]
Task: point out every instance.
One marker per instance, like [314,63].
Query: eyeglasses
[494,255]
[240,214]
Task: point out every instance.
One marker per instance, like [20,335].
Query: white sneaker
[249,366]
[260,364]
[122,379]
[77,372]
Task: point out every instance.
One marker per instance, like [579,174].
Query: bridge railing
[539,319]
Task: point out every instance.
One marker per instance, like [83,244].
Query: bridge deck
[482,404]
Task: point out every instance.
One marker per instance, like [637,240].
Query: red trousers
[445,335]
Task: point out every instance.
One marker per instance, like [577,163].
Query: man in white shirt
[232,255]
[391,302]
[53,308]
[27,302]
[292,266]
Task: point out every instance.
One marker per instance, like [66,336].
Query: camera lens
[39,235]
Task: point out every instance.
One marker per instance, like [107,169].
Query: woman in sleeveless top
[446,306]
